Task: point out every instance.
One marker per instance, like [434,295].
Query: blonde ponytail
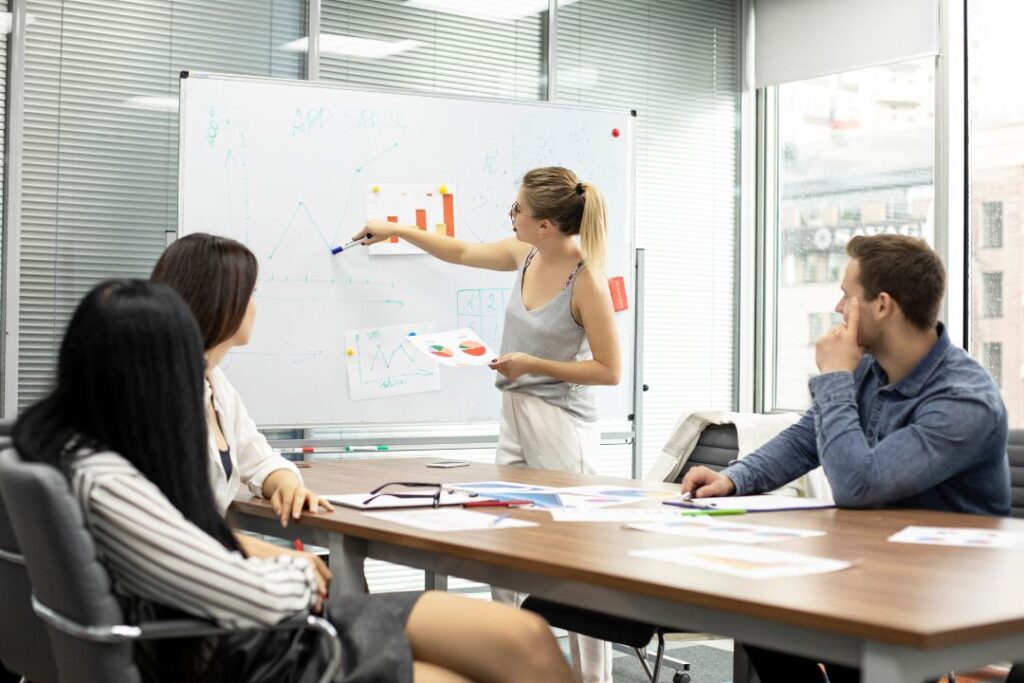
[577,208]
[593,229]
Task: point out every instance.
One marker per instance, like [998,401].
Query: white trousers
[534,433]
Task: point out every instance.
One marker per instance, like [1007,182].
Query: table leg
[435,582]
[742,671]
[347,557]
[883,664]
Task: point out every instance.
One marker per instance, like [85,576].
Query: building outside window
[992,224]
[855,157]
[992,359]
[992,294]
[995,98]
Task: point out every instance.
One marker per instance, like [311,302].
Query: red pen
[495,503]
[298,546]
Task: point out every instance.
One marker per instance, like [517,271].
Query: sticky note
[617,287]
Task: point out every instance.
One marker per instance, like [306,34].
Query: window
[854,156]
[992,359]
[817,326]
[992,224]
[992,295]
[995,99]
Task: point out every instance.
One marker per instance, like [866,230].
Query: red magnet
[615,132]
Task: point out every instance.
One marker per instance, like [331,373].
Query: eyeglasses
[516,211]
[376,493]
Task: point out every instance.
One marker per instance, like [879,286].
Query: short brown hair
[216,277]
[905,268]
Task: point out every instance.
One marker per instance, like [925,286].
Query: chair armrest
[189,628]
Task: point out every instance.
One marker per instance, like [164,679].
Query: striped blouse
[153,552]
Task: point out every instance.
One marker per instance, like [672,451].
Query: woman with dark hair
[216,277]
[125,423]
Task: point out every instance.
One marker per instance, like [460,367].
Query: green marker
[712,513]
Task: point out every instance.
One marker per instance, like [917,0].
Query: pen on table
[499,519]
[496,503]
[338,250]
[298,545]
[354,449]
[711,513]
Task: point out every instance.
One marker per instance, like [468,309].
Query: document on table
[761,503]
[712,529]
[960,537]
[499,486]
[450,519]
[619,515]
[744,561]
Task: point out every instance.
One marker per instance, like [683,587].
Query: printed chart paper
[431,208]
[455,348]
[450,519]
[963,538]
[380,363]
[711,529]
[747,562]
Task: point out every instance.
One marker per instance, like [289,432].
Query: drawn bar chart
[421,205]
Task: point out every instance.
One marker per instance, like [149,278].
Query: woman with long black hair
[125,423]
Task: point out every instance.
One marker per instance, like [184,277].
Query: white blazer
[252,459]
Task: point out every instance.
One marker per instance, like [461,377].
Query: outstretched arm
[504,254]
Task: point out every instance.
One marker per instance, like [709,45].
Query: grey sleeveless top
[552,333]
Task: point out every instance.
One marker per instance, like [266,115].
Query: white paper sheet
[461,348]
[626,494]
[381,363]
[619,515]
[960,537]
[744,561]
[450,519]
[711,529]
[761,503]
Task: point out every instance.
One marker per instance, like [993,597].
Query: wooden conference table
[902,613]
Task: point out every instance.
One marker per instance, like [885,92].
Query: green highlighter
[711,513]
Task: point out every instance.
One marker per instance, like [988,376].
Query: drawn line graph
[300,207]
[352,184]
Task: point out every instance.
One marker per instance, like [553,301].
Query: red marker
[298,546]
[615,132]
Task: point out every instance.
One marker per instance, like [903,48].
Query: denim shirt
[934,440]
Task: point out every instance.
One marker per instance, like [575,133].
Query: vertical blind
[100,140]
[3,139]
[677,64]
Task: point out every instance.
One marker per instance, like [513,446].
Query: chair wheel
[681,677]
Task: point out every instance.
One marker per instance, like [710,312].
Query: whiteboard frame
[483,433]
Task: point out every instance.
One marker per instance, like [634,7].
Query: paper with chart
[711,529]
[960,537]
[431,208]
[450,519]
[747,562]
[381,363]
[456,348]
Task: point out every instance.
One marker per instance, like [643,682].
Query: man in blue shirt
[899,416]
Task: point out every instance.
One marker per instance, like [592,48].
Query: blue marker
[338,250]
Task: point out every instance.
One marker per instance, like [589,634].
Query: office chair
[71,590]
[716,447]
[1015,453]
[24,645]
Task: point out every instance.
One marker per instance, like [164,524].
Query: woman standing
[559,335]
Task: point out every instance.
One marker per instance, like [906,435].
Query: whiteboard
[292,168]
